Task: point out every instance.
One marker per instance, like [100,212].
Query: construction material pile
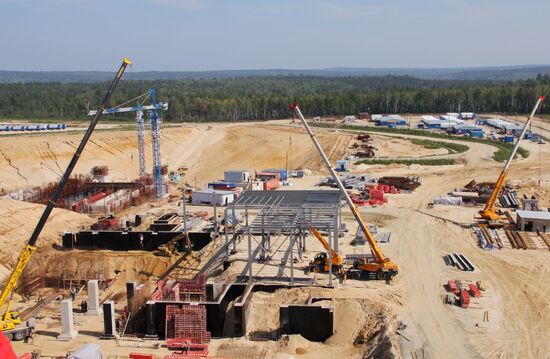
[459,261]
[350,181]
[489,239]
[373,194]
[459,293]
[409,183]
[363,149]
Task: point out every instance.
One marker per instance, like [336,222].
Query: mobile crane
[381,266]
[10,322]
[488,212]
[321,261]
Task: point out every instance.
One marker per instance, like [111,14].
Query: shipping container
[464,298]
[272,184]
[283,174]
[239,176]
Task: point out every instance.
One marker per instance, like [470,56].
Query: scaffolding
[275,220]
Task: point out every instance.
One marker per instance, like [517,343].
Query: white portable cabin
[211,196]
[237,176]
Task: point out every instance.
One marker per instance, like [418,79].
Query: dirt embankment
[363,328]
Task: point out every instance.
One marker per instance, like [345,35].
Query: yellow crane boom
[336,258]
[7,322]
[488,211]
[381,263]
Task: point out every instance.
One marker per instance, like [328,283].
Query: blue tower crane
[153,110]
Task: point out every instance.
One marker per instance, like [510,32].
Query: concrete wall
[525,223]
[125,241]
[314,323]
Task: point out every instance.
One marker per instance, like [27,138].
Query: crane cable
[144,95]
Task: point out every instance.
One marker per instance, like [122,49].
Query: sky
[199,35]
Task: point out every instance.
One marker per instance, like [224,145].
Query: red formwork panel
[140,356]
[193,290]
[188,322]
[188,355]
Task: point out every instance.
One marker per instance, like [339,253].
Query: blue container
[509,139]
[283,174]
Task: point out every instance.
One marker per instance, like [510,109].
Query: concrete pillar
[336,233]
[292,237]
[93,297]
[226,234]
[249,246]
[67,323]
[109,320]
[131,288]
[330,258]
[150,321]
[234,230]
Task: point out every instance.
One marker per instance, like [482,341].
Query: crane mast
[488,211]
[140,124]
[379,256]
[30,247]
[153,110]
[158,184]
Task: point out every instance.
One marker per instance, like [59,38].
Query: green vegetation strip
[433,145]
[424,162]
[503,148]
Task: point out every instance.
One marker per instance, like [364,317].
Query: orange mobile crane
[380,266]
[321,261]
[488,212]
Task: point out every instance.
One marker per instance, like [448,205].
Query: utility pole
[184,200]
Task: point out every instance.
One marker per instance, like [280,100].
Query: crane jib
[30,248]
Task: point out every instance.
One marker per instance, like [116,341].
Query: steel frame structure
[273,219]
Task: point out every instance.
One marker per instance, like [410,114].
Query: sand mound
[18,219]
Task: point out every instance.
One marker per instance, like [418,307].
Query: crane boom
[324,242]
[159,106]
[379,256]
[30,247]
[488,212]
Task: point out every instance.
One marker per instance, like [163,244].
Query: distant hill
[506,73]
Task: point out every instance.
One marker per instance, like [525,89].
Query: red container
[464,298]
[140,356]
[271,184]
[474,291]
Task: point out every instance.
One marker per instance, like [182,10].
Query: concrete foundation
[93,298]
[67,323]
[218,301]
[133,240]
[109,320]
[313,322]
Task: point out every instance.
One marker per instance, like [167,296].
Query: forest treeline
[263,98]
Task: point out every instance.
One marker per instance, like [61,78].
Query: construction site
[272,239]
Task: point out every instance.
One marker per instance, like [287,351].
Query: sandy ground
[207,149]
[387,146]
[517,300]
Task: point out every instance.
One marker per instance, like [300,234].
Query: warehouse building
[533,221]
